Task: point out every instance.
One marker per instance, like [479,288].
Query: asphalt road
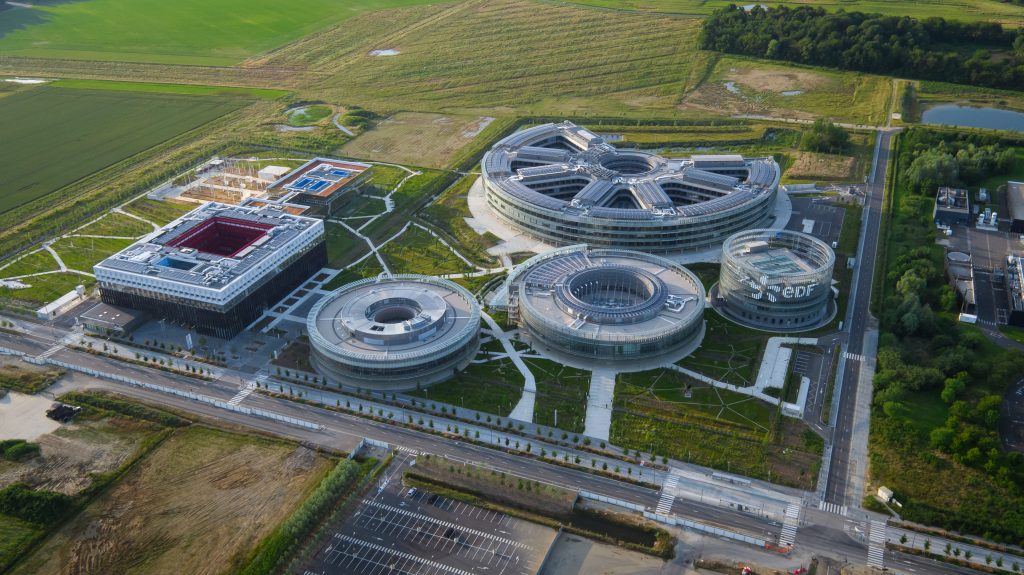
[841,466]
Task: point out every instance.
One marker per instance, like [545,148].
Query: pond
[974,117]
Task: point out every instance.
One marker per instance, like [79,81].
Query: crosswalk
[833,508]
[51,351]
[244,393]
[876,544]
[667,495]
[790,524]
[853,356]
[405,449]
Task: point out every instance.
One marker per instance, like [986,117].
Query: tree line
[975,53]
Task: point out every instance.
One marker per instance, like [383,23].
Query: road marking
[407,449]
[853,356]
[833,508]
[876,544]
[790,524]
[242,394]
[667,495]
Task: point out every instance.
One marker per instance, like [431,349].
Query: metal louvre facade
[564,185]
[776,279]
[396,333]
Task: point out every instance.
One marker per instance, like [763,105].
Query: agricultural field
[54,136]
[162,88]
[522,56]
[969,10]
[812,166]
[416,139]
[418,252]
[211,496]
[669,414]
[185,32]
[760,88]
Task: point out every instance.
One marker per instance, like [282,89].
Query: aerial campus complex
[216,269]
[564,185]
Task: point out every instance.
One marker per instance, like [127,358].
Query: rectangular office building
[217,268]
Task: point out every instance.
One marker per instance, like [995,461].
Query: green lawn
[160,212]
[367,268]
[418,252]
[729,352]
[54,136]
[342,246]
[218,33]
[35,262]
[971,10]
[308,115]
[448,215]
[228,91]
[15,534]
[493,387]
[115,224]
[560,389]
[83,253]
[45,288]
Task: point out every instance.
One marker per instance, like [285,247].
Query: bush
[20,450]
[125,408]
[41,507]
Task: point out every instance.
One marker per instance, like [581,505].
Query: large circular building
[606,304]
[776,279]
[563,185]
[394,333]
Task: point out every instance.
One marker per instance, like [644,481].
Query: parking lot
[818,218]
[413,532]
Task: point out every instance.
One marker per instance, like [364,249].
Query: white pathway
[599,404]
[523,411]
[668,495]
[790,524]
[876,545]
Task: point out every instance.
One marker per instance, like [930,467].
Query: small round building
[564,185]
[394,333]
[607,304]
[777,280]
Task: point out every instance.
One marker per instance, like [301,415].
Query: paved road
[847,458]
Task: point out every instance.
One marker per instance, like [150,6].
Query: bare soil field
[417,139]
[198,504]
[575,555]
[70,454]
[814,166]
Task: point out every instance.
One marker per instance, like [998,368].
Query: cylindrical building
[606,304]
[564,185]
[395,333]
[776,279]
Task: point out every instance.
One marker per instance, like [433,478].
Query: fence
[674,521]
[169,390]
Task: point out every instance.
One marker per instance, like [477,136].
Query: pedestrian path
[599,404]
[876,544]
[790,524]
[667,495]
[833,508]
[244,393]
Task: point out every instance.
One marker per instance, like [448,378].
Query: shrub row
[125,408]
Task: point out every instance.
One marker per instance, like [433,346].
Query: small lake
[973,117]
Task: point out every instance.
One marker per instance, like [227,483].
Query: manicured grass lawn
[35,262]
[218,33]
[729,352]
[970,10]
[492,387]
[160,212]
[562,389]
[342,246]
[418,252]
[45,288]
[361,206]
[308,116]
[83,253]
[54,136]
[227,91]
[115,224]
[367,268]
[448,215]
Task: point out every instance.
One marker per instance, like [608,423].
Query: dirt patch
[777,80]
[25,377]
[815,166]
[575,554]
[198,504]
[417,139]
[69,455]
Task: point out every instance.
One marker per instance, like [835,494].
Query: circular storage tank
[607,304]
[564,185]
[776,280]
[394,334]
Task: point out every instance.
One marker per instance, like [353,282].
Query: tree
[825,136]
